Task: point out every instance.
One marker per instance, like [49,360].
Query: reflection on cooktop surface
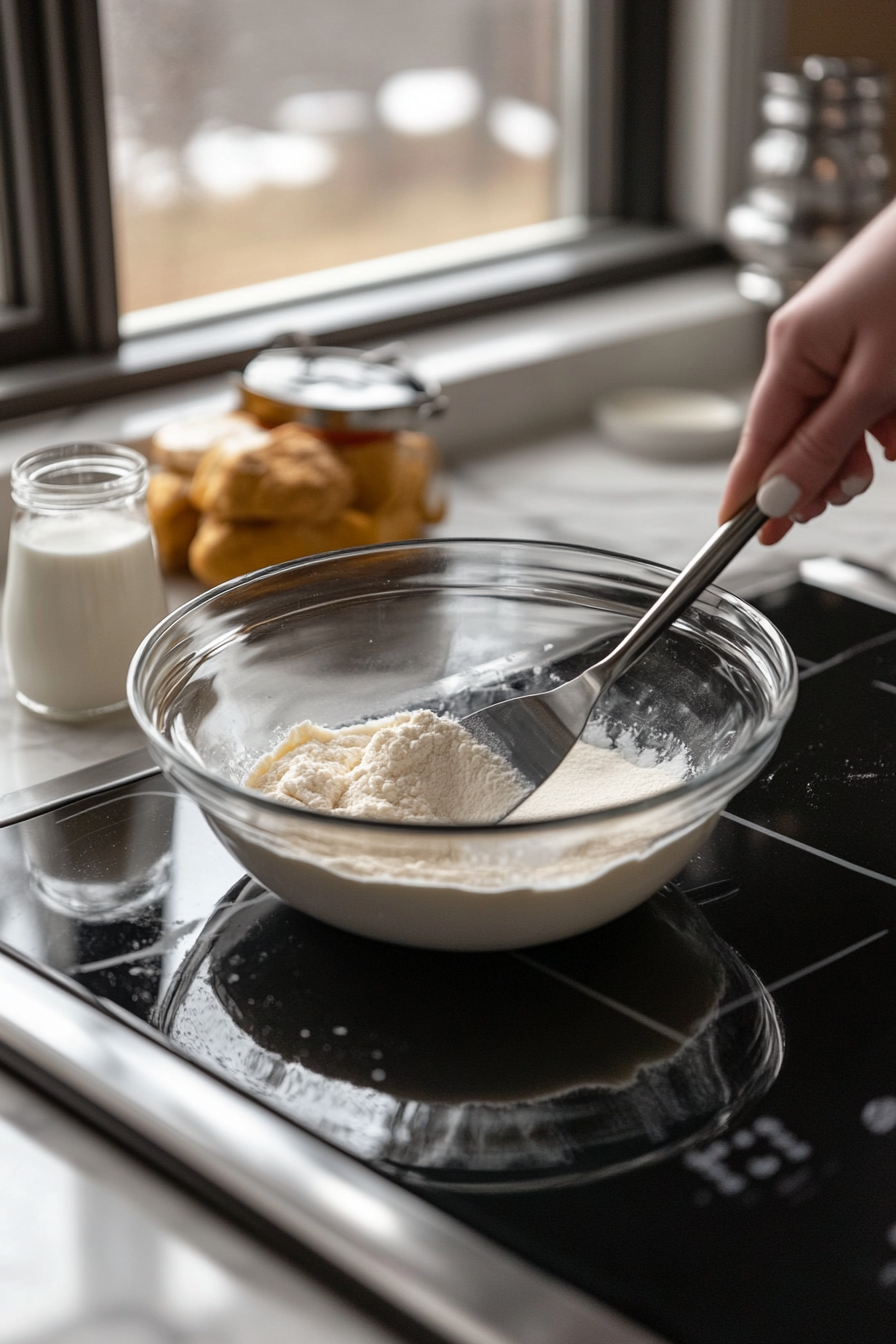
[832,783]
[509,1069]
[820,625]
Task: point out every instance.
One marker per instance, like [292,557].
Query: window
[255,143]
[351,167]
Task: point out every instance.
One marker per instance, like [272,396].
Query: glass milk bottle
[83,584]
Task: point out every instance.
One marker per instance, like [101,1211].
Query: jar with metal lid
[340,392]
[818,173]
[328,452]
[83,586]
[371,406]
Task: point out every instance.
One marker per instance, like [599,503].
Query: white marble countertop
[93,1246]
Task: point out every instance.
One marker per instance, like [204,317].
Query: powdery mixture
[593,778]
[419,766]
[414,766]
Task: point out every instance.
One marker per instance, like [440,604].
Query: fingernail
[777,497]
[854,485]
[840,499]
[794,517]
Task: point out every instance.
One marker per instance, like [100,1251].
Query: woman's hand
[829,374]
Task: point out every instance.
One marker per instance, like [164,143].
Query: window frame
[56,203]
[30,320]
[61,344]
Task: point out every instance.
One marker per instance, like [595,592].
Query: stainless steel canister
[817,173]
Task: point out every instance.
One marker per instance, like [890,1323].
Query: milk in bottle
[83,584]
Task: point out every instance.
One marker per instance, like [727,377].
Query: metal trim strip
[71,788]
[850,578]
[419,1260]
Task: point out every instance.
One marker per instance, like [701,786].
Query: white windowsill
[510,377]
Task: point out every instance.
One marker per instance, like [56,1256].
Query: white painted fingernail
[855,485]
[794,517]
[777,497]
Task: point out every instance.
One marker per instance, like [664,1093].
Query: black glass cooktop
[690,1113]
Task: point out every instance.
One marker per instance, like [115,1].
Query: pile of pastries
[230,495]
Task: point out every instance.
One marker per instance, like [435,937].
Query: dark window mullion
[605,22]
[642,61]
[57,218]
[78,128]
[19,269]
[30,323]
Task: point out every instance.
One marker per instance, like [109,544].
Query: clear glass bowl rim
[714,781]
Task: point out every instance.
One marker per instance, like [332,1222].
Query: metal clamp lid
[363,388]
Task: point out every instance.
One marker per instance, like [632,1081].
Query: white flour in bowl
[421,767]
[593,778]
[414,766]
[460,888]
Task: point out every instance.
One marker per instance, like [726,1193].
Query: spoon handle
[709,561]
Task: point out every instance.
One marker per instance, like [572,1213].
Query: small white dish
[670,422]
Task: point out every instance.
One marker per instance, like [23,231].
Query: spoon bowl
[534,733]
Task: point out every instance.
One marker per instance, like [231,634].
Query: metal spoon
[535,732]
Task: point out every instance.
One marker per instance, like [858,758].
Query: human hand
[829,374]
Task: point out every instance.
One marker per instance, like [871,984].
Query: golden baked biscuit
[173,518]
[392,474]
[397,525]
[224,549]
[284,474]
[180,445]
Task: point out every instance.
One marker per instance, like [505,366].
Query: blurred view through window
[253,142]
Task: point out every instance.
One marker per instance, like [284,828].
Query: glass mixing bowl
[452,626]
